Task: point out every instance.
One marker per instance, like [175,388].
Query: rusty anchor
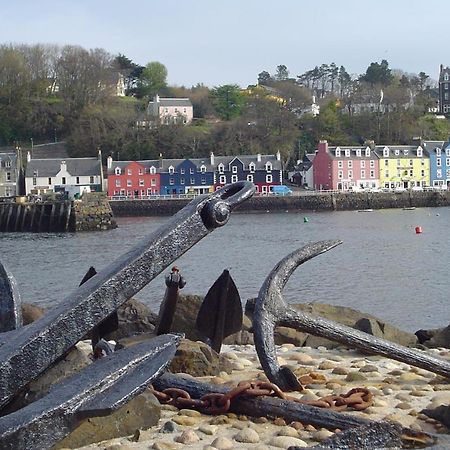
[98,390]
[271,310]
[27,352]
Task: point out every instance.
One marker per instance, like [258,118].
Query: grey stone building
[11,173]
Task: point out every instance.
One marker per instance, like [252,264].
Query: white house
[171,110]
[70,175]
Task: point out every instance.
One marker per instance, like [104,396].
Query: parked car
[281,190]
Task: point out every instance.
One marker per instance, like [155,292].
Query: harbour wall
[308,202]
[91,213]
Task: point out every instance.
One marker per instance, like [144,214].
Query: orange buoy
[418,230]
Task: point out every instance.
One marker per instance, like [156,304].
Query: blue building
[439,153]
[185,176]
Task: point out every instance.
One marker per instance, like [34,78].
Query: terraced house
[403,166]
[345,168]
[11,174]
[439,154]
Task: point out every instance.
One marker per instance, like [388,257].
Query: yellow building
[403,166]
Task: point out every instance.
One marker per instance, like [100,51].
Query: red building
[133,179]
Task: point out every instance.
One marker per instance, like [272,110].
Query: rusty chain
[216,403]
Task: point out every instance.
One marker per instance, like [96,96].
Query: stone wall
[92,213]
[307,202]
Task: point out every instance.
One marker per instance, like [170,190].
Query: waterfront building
[403,166]
[264,171]
[186,176]
[439,155]
[345,167]
[133,179]
[69,175]
[11,173]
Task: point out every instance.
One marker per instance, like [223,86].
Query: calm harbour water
[383,266]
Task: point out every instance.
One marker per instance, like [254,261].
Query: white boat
[365,210]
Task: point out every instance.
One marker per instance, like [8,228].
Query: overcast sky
[230,41]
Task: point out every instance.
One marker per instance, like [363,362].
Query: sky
[217,42]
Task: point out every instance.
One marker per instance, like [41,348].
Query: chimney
[322,147]
[99,154]
[63,166]
[28,156]
[109,162]
[278,155]
[161,160]
[211,157]
[258,157]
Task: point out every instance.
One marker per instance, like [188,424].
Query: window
[222,179]
[91,180]
[141,172]
[447,173]
[221,168]
[193,180]
[49,180]
[250,178]
[422,173]
[438,162]
[386,173]
[251,167]
[117,182]
[439,173]
[34,181]
[350,174]
[358,152]
[347,153]
[191,170]
[363,174]
[350,164]
[182,171]
[153,182]
[182,180]
[446,77]
[363,164]
[269,167]
[372,174]
[386,152]
[447,151]
[152,170]
[7,163]
[171,169]
[171,181]
[419,152]
[367,151]
[234,178]
[340,164]
[447,161]
[340,174]
[129,172]
[338,153]
[372,163]
[63,181]
[129,184]
[77,180]
[118,171]
[438,152]
[411,172]
[234,169]
[268,178]
[203,180]
[386,163]
[422,162]
[141,182]
[399,163]
[203,169]
[445,95]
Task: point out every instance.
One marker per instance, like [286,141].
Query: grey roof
[399,151]
[431,145]
[353,152]
[50,150]
[124,164]
[75,166]
[182,102]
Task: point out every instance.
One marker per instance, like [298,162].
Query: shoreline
[349,201]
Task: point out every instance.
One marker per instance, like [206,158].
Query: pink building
[171,110]
[345,168]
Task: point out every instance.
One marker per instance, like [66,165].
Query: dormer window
[419,152]
[171,170]
[446,77]
[358,152]
[386,152]
[251,167]
[397,152]
[347,152]
[338,153]
[221,168]
[153,170]
[438,152]
[367,151]
[182,171]
[268,167]
[202,169]
[405,152]
[8,163]
[129,172]
[234,169]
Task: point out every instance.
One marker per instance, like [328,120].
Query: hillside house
[171,110]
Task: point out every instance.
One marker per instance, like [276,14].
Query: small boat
[365,210]
[409,208]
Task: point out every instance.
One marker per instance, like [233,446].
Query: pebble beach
[400,392]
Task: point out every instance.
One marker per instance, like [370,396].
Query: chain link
[216,403]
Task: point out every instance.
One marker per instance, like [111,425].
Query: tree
[152,80]
[423,77]
[227,101]
[264,78]
[131,72]
[282,73]
[378,73]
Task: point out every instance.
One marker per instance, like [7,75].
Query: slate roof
[75,166]
[353,150]
[431,145]
[50,150]
[181,102]
[123,164]
[399,151]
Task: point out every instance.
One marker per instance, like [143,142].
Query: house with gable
[69,175]
[262,170]
[185,176]
[403,166]
[11,173]
[171,110]
[439,154]
[132,179]
[345,168]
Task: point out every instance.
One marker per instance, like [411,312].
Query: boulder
[142,412]
[434,338]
